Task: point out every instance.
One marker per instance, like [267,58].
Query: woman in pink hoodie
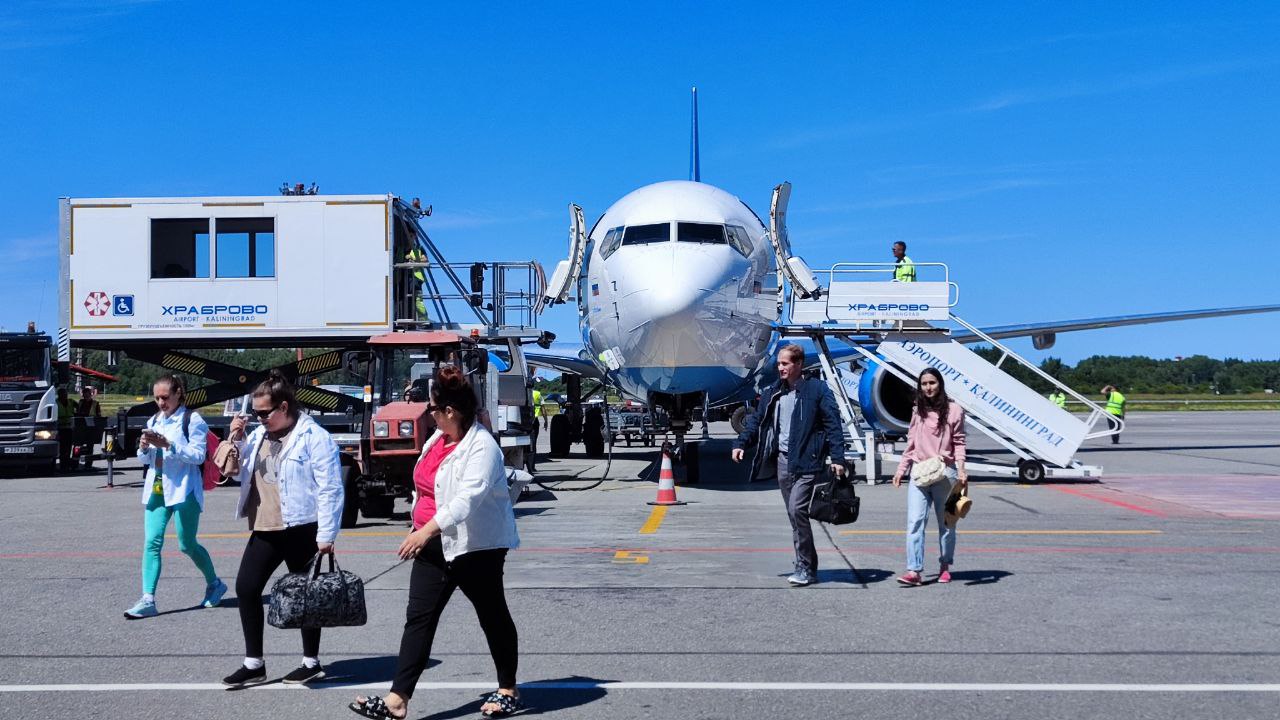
[937,430]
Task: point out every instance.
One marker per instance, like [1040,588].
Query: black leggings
[431,583]
[294,547]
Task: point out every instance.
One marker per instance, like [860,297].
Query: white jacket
[183,474]
[473,507]
[310,477]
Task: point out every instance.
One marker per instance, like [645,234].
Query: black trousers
[66,441]
[1112,424]
[431,584]
[294,547]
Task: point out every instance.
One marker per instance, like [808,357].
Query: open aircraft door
[568,270]
[792,268]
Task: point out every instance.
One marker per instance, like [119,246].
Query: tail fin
[695,169]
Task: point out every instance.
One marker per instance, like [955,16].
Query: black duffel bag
[835,501]
[313,599]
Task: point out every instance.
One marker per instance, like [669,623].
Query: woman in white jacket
[291,493]
[463,527]
[172,448]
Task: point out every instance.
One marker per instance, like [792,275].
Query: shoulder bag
[312,599]
[928,472]
[835,501]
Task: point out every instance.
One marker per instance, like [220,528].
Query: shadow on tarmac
[537,700]
[979,577]
[365,670]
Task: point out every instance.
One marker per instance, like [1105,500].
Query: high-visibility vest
[537,403]
[1059,399]
[416,255]
[905,270]
[66,413]
[1115,403]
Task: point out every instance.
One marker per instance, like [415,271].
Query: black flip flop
[374,707]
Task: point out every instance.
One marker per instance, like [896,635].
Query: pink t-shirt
[925,441]
[424,479]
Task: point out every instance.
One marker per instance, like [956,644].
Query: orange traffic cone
[666,483]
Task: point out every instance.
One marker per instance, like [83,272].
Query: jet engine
[885,400]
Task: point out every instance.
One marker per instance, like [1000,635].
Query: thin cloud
[34,25]
[1113,85]
[935,197]
[924,172]
[28,249]
[1017,98]
[1091,36]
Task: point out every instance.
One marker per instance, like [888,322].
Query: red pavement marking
[1238,497]
[1024,549]
[1109,501]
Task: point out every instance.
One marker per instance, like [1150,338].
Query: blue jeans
[918,501]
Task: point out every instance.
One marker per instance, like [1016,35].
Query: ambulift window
[179,248]
[646,234]
[700,233]
[246,247]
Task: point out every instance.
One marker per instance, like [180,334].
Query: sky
[1065,160]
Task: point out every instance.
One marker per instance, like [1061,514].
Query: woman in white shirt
[172,449]
[463,527]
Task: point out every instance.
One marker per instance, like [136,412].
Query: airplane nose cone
[674,321]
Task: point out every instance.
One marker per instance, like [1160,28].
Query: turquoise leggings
[186,518]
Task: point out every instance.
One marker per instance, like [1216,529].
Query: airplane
[680,287]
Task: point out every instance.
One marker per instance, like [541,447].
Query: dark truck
[28,402]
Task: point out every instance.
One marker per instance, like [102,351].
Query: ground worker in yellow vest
[1115,408]
[66,428]
[904,270]
[416,255]
[537,425]
[1058,398]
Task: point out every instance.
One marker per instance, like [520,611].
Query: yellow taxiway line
[650,526]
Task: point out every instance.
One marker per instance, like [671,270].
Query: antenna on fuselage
[695,170]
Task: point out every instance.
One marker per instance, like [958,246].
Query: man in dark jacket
[796,430]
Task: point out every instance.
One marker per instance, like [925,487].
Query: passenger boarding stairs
[900,328]
[499,299]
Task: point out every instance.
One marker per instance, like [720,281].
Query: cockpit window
[739,240]
[612,241]
[700,233]
[644,234]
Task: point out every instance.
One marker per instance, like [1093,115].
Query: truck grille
[17,417]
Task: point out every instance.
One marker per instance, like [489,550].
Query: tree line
[1140,374]
[1135,373]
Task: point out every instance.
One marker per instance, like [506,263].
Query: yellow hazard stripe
[307,396]
[184,364]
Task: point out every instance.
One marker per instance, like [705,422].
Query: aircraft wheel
[559,437]
[692,469]
[593,440]
[1030,471]
[738,419]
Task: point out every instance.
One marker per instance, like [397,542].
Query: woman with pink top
[937,431]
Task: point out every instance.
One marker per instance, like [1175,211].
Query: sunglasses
[264,414]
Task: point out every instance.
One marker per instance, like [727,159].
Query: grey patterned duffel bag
[313,599]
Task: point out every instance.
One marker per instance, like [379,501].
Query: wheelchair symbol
[122,305]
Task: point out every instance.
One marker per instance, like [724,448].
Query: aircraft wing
[562,357]
[1043,332]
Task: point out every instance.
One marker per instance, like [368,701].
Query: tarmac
[1149,594]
